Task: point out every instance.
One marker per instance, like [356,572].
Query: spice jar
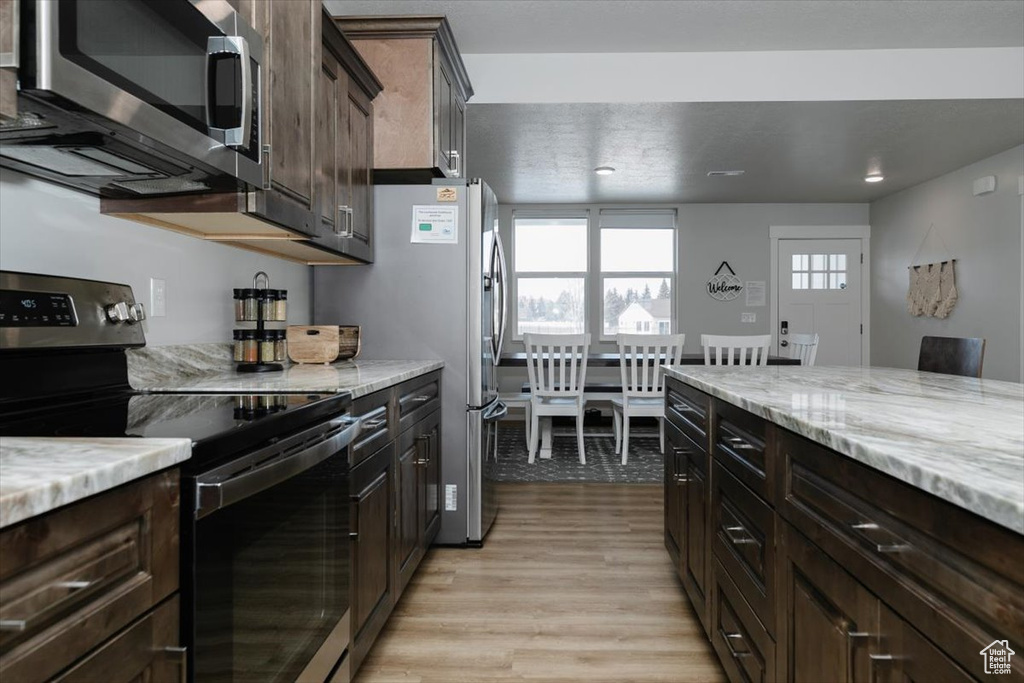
[266,340]
[239,350]
[250,350]
[245,304]
[281,305]
[280,346]
[268,304]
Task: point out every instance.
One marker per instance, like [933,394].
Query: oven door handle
[214,495]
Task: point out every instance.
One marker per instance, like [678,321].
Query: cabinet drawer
[375,416]
[743,532]
[688,409]
[72,578]
[417,399]
[146,651]
[942,569]
[745,649]
[740,445]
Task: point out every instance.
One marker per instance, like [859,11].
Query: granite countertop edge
[960,491]
[41,474]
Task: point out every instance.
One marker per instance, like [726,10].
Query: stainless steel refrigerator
[442,299]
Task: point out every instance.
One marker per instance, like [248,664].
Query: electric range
[264,497]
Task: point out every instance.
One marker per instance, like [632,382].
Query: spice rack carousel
[259,349]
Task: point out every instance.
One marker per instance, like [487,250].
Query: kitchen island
[848,523]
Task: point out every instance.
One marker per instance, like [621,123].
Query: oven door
[269,595]
[185,73]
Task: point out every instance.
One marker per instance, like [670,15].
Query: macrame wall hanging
[932,290]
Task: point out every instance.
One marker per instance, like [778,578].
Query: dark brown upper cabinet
[420,118]
[283,217]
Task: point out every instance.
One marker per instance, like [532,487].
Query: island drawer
[417,398]
[744,543]
[72,578]
[744,648]
[955,576]
[740,444]
[688,409]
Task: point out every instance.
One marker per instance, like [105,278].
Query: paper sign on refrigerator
[435,224]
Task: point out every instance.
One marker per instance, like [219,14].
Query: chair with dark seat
[952,355]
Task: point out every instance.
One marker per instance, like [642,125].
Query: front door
[819,290]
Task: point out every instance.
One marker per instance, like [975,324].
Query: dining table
[602,391]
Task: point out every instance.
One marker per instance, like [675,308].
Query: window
[550,262]
[638,257]
[819,271]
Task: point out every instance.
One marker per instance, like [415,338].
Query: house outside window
[637,264]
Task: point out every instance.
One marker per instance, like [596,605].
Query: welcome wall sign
[724,286]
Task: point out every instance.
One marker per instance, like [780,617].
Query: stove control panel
[50,312]
[20,308]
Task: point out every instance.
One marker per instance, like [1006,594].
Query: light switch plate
[747,317]
[157,297]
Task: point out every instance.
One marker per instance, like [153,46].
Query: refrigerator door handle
[502,293]
[497,411]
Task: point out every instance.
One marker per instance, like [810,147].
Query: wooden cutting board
[312,343]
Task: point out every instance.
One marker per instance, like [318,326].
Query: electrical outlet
[157,297]
[747,317]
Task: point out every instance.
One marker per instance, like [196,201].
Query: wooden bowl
[349,342]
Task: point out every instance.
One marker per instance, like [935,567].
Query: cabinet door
[432,481]
[906,656]
[357,173]
[412,452]
[829,618]
[373,482]
[8,73]
[291,39]
[695,516]
[331,130]
[442,116]
[675,482]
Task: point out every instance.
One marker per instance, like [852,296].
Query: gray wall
[983,234]
[46,228]
[708,234]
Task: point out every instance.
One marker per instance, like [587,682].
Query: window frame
[516,275]
[671,276]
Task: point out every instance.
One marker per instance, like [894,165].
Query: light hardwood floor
[573,584]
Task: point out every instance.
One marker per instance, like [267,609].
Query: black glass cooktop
[218,424]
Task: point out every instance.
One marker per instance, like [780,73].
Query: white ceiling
[523,26]
[791,151]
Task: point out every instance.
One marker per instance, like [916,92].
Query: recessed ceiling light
[874,178]
[716,174]
[604,170]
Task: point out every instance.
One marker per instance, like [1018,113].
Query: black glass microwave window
[157,51]
[271,578]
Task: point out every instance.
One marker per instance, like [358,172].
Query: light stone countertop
[958,438]
[208,368]
[41,474]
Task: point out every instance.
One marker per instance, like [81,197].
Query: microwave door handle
[212,496]
[241,136]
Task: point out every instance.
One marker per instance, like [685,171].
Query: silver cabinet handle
[454,154]
[743,539]
[857,634]
[682,479]
[374,424]
[347,230]
[893,548]
[181,653]
[13,624]
[682,408]
[74,585]
[881,658]
[421,399]
[864,525]
[739,444]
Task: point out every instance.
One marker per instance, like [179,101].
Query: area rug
[645,464]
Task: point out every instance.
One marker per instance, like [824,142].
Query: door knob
[783,343]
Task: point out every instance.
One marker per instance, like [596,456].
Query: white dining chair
[741,350]
[557,367]
[643,382]
[804,347]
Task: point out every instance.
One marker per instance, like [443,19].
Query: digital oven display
[36,309]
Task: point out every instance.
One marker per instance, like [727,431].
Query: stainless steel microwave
[137,97]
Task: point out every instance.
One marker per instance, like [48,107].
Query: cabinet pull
[346,212]
[864,525]
[455,157]
[857,634]
[374,424]
[13,624]
[683,408]
[739,444]
[682,479]
[893,548]
[421,399]
[74,585]
[181,655]
[880,658]
[743,539]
